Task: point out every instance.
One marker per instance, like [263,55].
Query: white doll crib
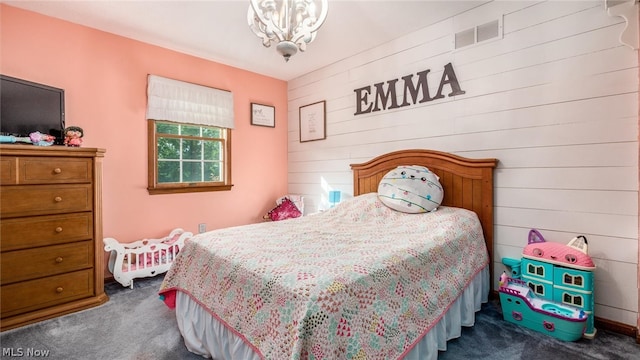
[143,258]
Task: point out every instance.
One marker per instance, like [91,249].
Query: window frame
[535,270]
[573,279]
[155,188]
[573,301]
[537,289]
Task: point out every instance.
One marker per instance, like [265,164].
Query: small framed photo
[263,115]
[313,122]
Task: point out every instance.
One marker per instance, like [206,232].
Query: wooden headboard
[467,183]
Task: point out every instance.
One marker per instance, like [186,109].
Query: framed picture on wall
[263,115]
[313,121]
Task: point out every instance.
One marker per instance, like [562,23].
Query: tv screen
[26,107]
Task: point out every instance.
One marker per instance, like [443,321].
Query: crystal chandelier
[291,24]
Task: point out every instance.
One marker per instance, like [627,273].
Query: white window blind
[184,102]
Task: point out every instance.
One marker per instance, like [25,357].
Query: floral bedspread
[359,281]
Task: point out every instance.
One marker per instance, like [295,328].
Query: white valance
[184,102]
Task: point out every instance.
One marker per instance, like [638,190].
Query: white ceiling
[217,30]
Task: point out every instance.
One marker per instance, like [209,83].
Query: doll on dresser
[73,136]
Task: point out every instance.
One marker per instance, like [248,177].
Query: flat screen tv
[26,107]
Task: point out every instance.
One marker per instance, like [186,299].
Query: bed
[358,281]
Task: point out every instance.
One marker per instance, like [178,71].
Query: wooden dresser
[51,260]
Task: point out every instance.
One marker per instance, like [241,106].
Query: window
[535,270]
[189,136]
[573,280]
[188,158]
[575,300]
[536,288]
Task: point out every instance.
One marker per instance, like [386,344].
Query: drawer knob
[57,171]
[57,199]
[59,259]
[59,229]
[59,289]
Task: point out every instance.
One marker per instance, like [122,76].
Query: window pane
[212,171]
[168,171]
[577,281]
[168,148]
[164,128]
[189,154]
[213,150]
[192,171]
[192,149]
[191,130]
[211,132]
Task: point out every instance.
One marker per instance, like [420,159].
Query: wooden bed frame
[467,183]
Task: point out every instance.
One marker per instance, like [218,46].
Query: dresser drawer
[28,232]
[45,199]
[52,170]
[537,270]
[581,299]
[573,278]
[36,294]
[8,170]
[541,288]
[44,261]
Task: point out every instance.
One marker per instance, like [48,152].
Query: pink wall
[104,77]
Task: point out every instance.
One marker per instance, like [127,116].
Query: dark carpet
[135,324]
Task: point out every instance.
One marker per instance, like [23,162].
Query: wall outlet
[202,228]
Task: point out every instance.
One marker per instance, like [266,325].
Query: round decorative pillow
[411,189]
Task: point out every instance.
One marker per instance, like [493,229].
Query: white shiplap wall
[555,100]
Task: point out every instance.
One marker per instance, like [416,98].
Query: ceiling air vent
[484,32]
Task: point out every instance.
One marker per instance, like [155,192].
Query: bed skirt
[206,336]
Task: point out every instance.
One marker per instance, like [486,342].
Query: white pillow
[411,189]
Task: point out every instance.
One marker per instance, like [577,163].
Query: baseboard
[599,323]
[616,327]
